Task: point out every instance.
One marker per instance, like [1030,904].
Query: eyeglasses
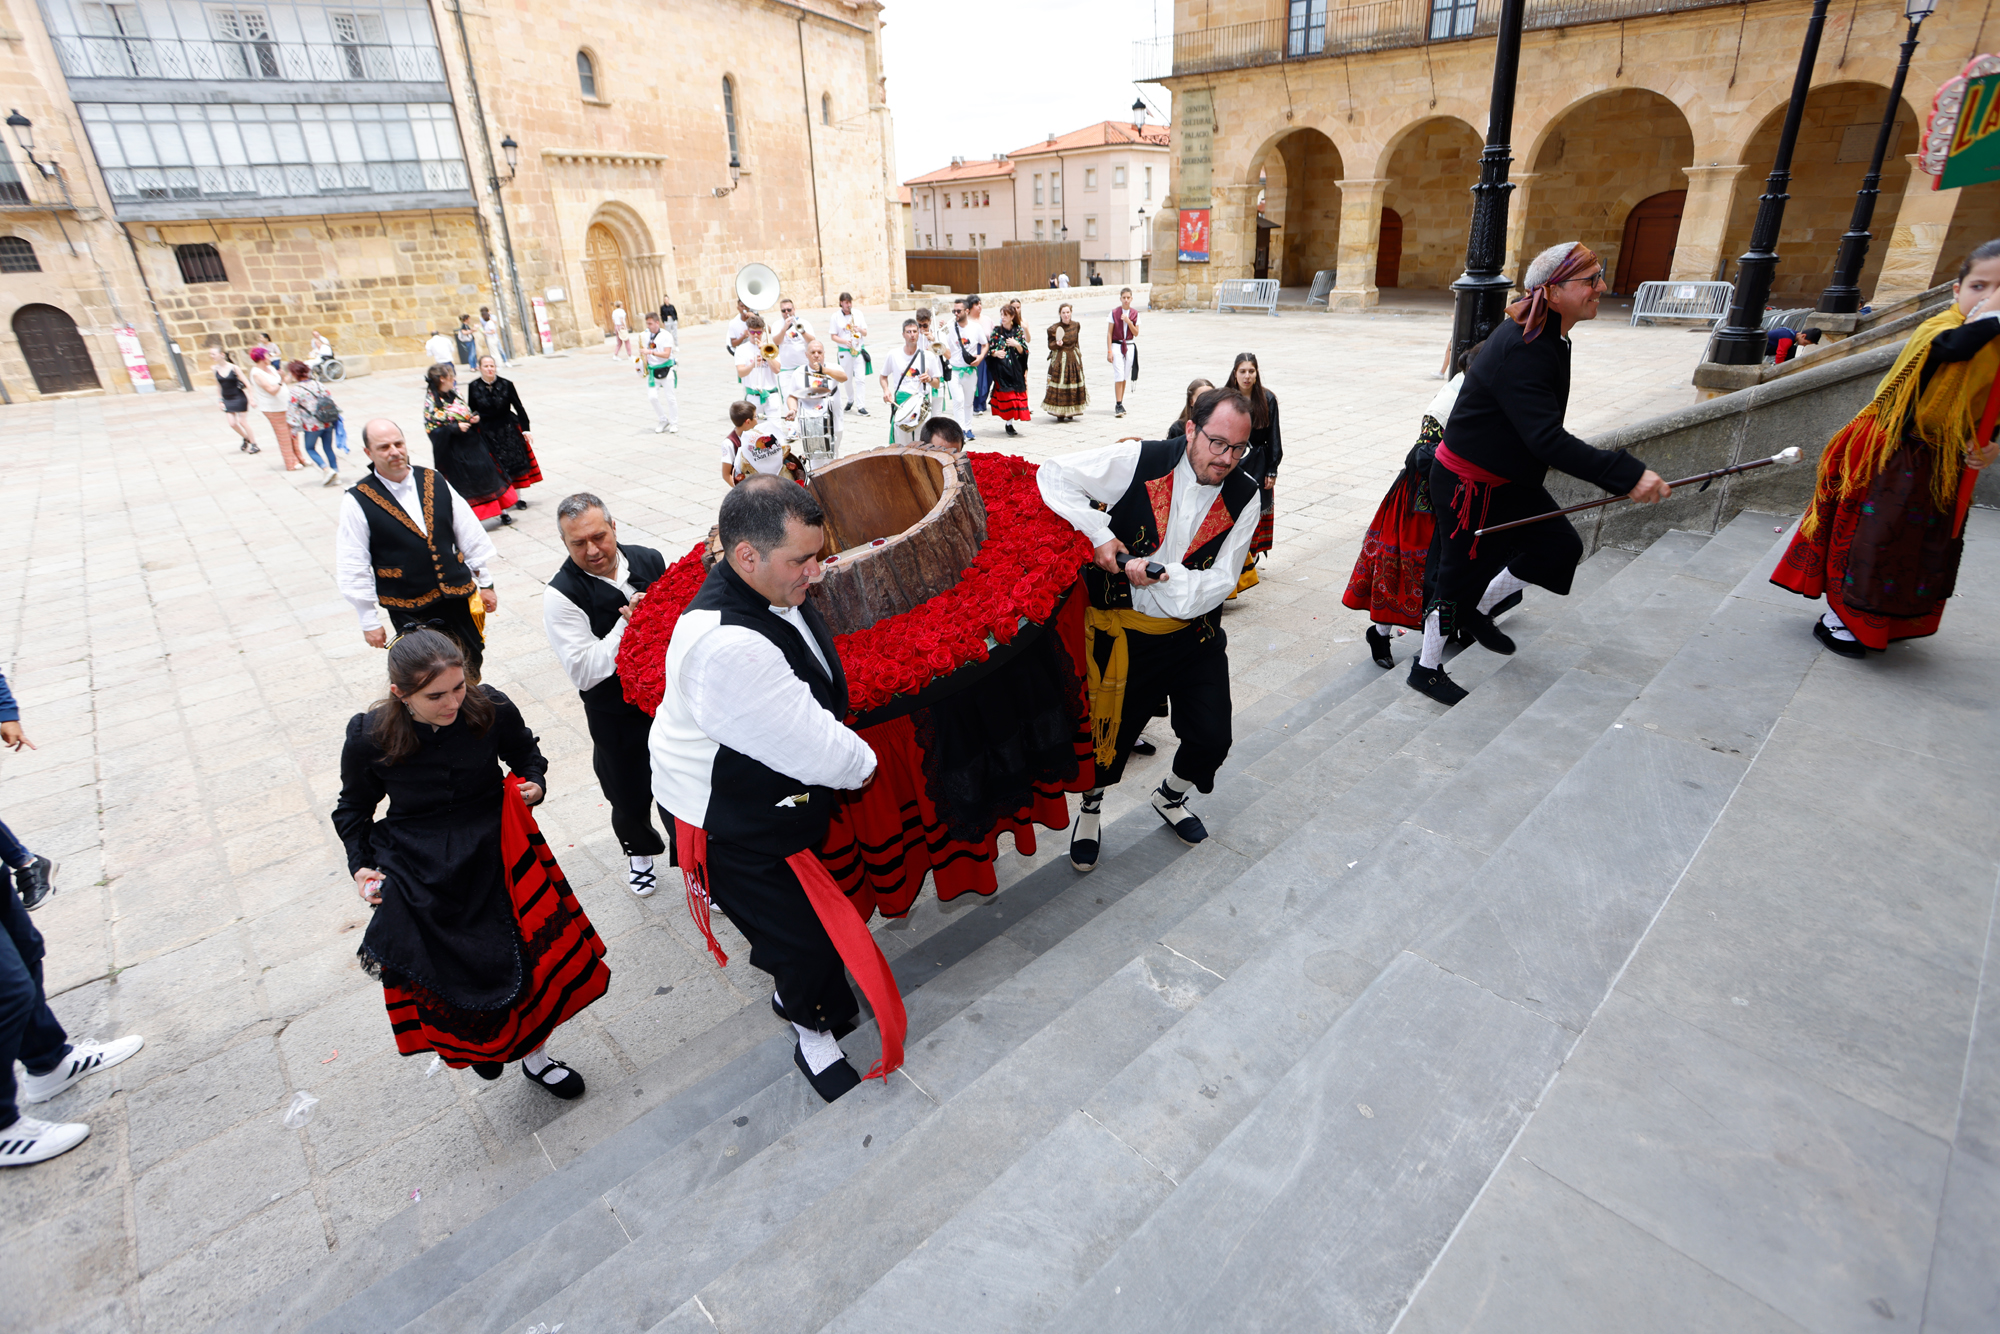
[1594,279]
[1218,445]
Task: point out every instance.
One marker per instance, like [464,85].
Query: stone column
[1922,220]
[1517,222]
[1360,240]
[1232,245]
[1711,192]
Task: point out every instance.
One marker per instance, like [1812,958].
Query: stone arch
[1839,122]
[1594,162]
[639,280]
[1301,170]
[1429,170]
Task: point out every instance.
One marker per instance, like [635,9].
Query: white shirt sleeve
[353,571]
[1069,482]
[474,546]
[1186,593]
[585,658]
[743,694]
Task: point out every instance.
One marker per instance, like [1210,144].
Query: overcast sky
[973,80]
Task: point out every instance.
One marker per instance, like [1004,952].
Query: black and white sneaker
[830,1083]
[557,1078]
[1118,410]
[31,1141]
[1187,826]
[640,879]
[1432,681]
[83,1059]
[1084,837]
[35,882]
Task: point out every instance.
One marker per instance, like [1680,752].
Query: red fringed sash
[850,935]
[1478,489]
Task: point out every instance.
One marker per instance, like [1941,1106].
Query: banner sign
[1961,143]
[542,325]
[1194,236]
[134,357]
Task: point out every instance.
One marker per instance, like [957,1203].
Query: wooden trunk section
[901,524]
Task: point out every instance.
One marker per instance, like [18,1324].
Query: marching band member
[792,337]
[757,366]
[910,373]
[850,340]
[816,385]
[739,334]
[657,361]
[964,349]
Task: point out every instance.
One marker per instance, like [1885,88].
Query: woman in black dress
[502,426]
[1267,451]
[235,397]
[1007,367]
[459,453]
[481,948]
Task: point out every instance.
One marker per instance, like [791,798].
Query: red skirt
[561,957]
[1260,541]
[1010,404]
[532,473]
[1388,578]
[491,506]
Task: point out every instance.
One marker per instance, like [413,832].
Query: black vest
[600,602]
[744,793]
[1134,523]
[412,568]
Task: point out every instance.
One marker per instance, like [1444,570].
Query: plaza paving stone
[169,621]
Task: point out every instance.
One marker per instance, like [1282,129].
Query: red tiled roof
[983,169]
[903,195]
[1106,133]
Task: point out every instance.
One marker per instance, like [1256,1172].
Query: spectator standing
[438,348]
[466,339]
[502,426]
[235,397]
[491,328]
[621,331]
[975,315]
[267,390]
[306,402]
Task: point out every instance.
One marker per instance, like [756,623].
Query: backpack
[324,410]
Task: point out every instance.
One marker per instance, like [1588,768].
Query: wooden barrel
[901,523]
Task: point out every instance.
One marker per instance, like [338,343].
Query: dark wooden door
[1389,250]
[1652,229]
[54,350]
[1261,266]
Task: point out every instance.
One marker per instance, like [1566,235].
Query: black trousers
[762,896]
[618,753]
[1545,554]
[453,616]
[1188,669]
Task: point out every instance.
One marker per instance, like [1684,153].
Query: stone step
[1326,1203]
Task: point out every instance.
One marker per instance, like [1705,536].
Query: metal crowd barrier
[1682,301]
[1247,294]
[1322,285]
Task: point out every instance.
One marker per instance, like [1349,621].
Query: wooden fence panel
[957,270]
[1014,267]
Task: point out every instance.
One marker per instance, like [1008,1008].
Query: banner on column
[1962,142]
[1194,236]
[542,324]
[135,359]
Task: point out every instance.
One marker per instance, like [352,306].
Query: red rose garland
[1029,560]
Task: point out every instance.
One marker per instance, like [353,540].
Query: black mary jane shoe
[1083,851]
[1489,635]
[487,1069]
[830,1083]
[506,519]
[1378,649]
[839,1030]
[1144,747]
[520,504]
[1432,681]
[565,1084]
[1187,826]
[1846,648]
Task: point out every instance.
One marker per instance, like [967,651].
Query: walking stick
[1782,456]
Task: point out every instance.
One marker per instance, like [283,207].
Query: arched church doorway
[604,275]
[54,350]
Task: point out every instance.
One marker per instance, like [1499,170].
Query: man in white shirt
[748,752]
[738,334]
[757,372]
[405,539]
[621,330]
[793,334]
[1121,348]
[657,364]
[815,386]
[964,349]
[439,349]
[975,316]
[850,341]
[1062,282]
[584,611]
[1170,544]
[491,328]
[908,374]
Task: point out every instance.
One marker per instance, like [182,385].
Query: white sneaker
[673,429]
[31,1141]
[661,429]
[82,1060]
[639,879]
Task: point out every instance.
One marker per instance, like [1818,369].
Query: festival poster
[542,325]
[134,357]
[1194,236]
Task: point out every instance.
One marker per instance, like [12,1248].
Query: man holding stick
[1505,433]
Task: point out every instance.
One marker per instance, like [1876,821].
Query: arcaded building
[1346,137]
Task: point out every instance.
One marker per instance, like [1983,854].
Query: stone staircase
[1261,1084]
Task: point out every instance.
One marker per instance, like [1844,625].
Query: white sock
[642,863]
[1504,585]
[1173,793]
[1838,626]
[819,1049]
[537,1060]
[1431,657]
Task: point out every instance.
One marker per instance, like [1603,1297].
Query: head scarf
[1532,310]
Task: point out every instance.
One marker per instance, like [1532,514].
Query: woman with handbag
[459,454]
[502,425]
[480,946]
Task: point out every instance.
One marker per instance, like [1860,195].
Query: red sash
[1478,488]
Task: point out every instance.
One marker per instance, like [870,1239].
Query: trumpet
[770,347]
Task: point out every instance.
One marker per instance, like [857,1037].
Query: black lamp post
[1138,115]
[1740,342]
[513,152]
[1481,291]
[1843,295]
[24,134]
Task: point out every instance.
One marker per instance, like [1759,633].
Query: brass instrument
[770,347]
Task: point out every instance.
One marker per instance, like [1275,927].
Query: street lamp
[24,134]
[513,152]
[1740,342]
[1843,295]
[1138,115]
[1480,294]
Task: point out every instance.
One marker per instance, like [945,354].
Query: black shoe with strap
[1378,649]
[1085,835]
[1489,635]
[1432,681]
[558,1079]
[1187,826]
[1846,648]
[830,1083]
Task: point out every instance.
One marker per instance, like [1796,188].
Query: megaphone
[757,286]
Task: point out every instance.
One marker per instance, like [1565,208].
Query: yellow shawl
[1944,417]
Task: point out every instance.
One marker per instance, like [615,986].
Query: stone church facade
[1324,136]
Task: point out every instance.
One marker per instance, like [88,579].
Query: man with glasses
[1505,433]
[1171,539]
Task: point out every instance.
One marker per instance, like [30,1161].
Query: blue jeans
[323,439]
[29,1030]
[979,394]
[11,852]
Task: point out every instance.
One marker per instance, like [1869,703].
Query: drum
[815,438]
[909,414]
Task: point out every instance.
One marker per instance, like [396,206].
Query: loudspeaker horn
[757,286]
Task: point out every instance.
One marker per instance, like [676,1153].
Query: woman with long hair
[1067,396]
[235,397]
[480,947]
[302,399]
[501,424]
[459,454]
[1267,451]
[1007,367]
